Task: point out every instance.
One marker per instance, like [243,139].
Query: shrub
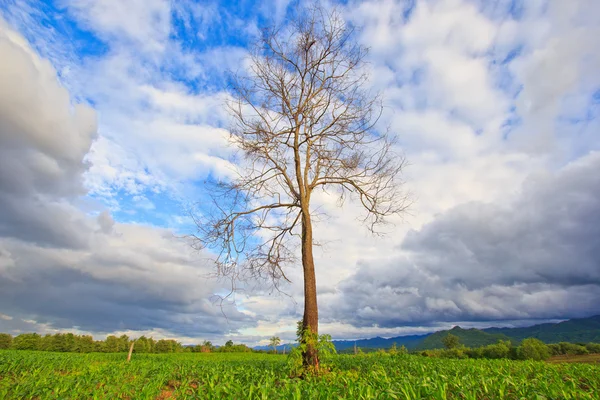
[554,349]
[5,341]
[593,348]
[476,352]
[498,350]
[454,352]
[570,348]
[533,349]
[325,349]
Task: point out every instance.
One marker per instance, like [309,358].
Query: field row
[45,375]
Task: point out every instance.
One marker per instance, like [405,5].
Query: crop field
[43,375]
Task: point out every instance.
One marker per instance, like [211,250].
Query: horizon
[286,344]
[112,119]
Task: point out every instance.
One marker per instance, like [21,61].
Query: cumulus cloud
[43,140]
[60,266]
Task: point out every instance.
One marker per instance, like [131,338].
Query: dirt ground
[585,358]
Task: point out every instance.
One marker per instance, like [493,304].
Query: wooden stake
[130,351]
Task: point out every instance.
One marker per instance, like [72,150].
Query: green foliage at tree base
[324,347]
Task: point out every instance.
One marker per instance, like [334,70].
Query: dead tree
[304,121]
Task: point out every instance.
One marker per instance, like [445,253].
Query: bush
[593,348]
[455,352]
[476,352]
[554,349]
[5,341]
[575,349]
[533,349]
[563,348]
[325,349]
[498,350]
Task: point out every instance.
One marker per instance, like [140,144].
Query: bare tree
[303,121]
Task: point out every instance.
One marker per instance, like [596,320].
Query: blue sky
[113,116]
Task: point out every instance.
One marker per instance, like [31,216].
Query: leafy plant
[325,349]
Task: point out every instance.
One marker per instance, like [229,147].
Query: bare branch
[303,120]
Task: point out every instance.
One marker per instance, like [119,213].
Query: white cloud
[146,23]
[558,68]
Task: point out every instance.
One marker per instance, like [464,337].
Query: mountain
[280,349]
[409,341]
[469,337]
[577,330]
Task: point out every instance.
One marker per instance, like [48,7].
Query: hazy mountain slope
[574,330]
[468,337]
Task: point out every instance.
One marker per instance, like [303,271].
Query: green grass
[42,375]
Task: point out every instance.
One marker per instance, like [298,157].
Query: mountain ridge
[574,330]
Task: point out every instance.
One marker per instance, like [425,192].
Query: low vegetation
[496,371]
[43,375]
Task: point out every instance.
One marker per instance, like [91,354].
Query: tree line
[69,342]
[528,349]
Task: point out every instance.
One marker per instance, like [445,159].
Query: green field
[43,375]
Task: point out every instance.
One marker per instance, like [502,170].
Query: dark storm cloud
[536,256]
[108,296]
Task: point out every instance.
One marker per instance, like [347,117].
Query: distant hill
[575,330]
[469,337]
[409,341]
[286,346]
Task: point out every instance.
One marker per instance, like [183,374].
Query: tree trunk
[311,312]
